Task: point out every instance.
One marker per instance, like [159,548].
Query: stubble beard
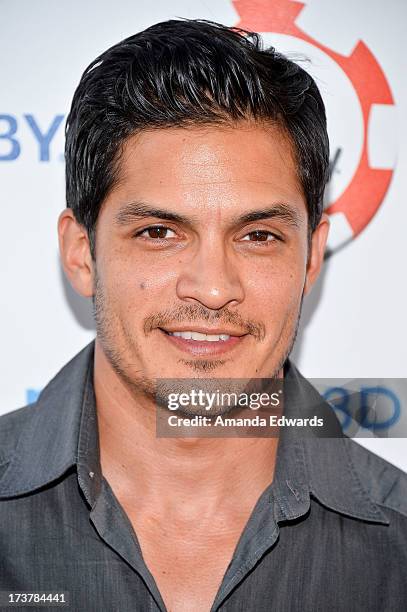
[157,390]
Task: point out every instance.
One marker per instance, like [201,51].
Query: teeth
[190,335]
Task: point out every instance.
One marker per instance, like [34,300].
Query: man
[195,168]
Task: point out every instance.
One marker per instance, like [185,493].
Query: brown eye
[259,236]
[156,232]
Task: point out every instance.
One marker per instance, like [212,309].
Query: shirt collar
[320,466]
[48,443]
[61,431]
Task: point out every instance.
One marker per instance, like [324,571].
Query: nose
[210,277]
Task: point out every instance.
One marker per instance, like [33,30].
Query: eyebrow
[136,210]
[280,211]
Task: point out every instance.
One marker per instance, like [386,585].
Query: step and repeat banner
[354,322]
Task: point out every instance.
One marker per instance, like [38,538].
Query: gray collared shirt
[329,533]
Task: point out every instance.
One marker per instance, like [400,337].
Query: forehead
[209,166]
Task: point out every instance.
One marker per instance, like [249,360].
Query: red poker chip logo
[357,85]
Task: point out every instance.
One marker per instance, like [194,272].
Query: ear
[316,255]
[75,253]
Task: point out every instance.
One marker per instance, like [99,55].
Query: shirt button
[91,474]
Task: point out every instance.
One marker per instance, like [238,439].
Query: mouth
[204,341]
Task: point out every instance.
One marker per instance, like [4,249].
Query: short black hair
[185,73]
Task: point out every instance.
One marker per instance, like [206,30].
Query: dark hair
[181,73]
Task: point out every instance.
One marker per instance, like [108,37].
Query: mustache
[198,313]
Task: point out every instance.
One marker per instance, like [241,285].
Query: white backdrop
[353,323]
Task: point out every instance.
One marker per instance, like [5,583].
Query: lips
[207,331]
[203,340]
[192,335]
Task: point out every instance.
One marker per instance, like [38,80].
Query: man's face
[213,267]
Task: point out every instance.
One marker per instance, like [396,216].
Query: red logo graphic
[364,193]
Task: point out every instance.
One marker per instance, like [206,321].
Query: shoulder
[55,405]
[38,442]
[12,424]
[385,483]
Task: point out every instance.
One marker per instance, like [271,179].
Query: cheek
[135,287]
[273,289]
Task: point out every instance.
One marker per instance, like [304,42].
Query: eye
[260,236]
[156,232]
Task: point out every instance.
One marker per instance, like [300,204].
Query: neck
[173,475]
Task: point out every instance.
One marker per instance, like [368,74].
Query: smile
[191,335]
[202,343]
